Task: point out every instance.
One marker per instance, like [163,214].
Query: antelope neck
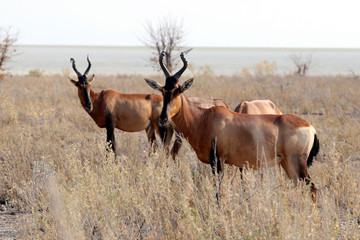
[93,96]
[187,119]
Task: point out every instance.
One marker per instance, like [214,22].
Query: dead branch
[167,35]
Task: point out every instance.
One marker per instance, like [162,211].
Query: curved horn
[89,66]
[74,67]
[165,70]
[182,55]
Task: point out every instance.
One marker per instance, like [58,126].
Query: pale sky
[224,23]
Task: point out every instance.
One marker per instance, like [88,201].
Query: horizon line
[199,47]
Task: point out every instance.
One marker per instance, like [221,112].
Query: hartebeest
[219,135]
[258,107]
[127,112]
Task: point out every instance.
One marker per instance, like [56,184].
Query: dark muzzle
[88,107]
[163,121]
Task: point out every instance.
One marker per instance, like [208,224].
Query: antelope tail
[314,150]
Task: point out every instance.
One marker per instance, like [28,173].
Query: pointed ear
[91,78]
[73,81]
[153,84]
[186,85]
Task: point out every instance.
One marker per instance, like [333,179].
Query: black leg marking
[150,133]
[213,157]
[153,144]
[177,143]
[216,161]
[219,165]
[110,136]
[241,172]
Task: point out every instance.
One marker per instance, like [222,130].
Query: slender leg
[296,168]
[110,136]
[220,164]
[241,172]
[313,189]
[177,144]
[304,175]
[150,132]
[220,171]
[215,161]
[213,156]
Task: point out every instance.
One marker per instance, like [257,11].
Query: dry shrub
[54,165]
[35,73]
[265,68]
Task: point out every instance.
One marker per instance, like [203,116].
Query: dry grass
[54,165]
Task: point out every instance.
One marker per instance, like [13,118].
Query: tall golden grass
[53,164]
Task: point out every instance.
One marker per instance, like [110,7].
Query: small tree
[167,35]
[302,63]
[7,40]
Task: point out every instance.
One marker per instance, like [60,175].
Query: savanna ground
[59,181]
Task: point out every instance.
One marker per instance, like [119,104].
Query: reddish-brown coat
[130,112]
[243,140]
[238,139]
[127,112]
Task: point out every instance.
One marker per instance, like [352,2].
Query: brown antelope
[219,135]
[258,107]
[127,112]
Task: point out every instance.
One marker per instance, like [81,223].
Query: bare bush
[168,35]
[7,40]
[302,63]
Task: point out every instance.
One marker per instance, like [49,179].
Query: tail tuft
[314,151]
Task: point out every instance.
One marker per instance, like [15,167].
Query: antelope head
[172,90]
[83,85]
